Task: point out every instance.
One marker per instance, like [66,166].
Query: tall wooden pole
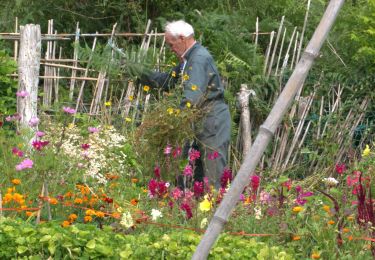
[267,130]
[28,71]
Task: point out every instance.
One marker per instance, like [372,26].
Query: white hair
[179,28]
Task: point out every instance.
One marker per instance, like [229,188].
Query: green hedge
[23,240]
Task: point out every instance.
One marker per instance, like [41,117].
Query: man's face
[177,44]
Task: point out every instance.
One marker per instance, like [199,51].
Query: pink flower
[15,117]
[93,129]
[194,154]
[39,134]
[177,152]
[25,164]
[213,155]
[17,152]
[187,209]
[302,195]
[287,184]
[167,149]
[85,146]
[157,172]
[177,193]
[340,168]
[22,93]
[264,197]
[226,178]
[156,188]
[188,170]
[69,110]
[34,121]
[198,189]
[254,182]
[38,145]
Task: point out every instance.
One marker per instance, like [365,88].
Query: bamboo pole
[243,98]
[275,47]
[280,52]
[75,63]
[303,30]
[47,88]
[267,130]
[16,42]
[256,32]
[268,53]
[294,51]
[286,58]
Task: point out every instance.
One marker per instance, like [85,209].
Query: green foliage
[19,239]
[7,84]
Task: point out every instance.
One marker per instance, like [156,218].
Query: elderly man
[202,88]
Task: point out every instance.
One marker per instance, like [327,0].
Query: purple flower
[92,130]
[25,164]
[34,121]
[167,149]
[69,110]
[188,170]
[40,134]
[22,93]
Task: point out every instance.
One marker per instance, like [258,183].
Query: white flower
[127,220]
[330,181]
[156,214]
[204,223]
[258,212]
[167,184]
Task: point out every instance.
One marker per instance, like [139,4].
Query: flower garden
[83,190]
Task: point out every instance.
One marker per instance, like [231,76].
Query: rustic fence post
[243,99]
[28,72]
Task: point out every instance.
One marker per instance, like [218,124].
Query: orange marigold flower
[326,208]
[53,201]
[11,190]
[297,209]
[315,255]
[78,201]
[90,212]
[145,190]
[18,197]
[72,217]
[345,230]
[7,198]
[134,202]
[296,238]
[65,223]
[331,222]
[69,194]
[116,215]
[87,218]
[99,214]
[29,213]
[350,238]
[16,181]
[134,180]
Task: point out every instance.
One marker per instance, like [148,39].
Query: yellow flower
[99,214]
[170,111]
[331,222]
[20,145]
[297,209]
[326,208]
[90,212]
[108,103]
[185,77]
[16,181]
[205,205]
[146,88]
[366,152]
[173,74]
[188,104]
[173,63]
[350,218]
[194,87]
[128,119]
[131,98]
[70,125]
[177,111]
[315,255]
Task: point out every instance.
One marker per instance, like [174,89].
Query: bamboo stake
[320,117]
[303,30]
[294,51]
[268,53]
[128,99]
[302,141]
[47,83]
[75,63]
[256,32]
[280,52]
[286,58]
[40,205]
[16,42]
[275,47]
[267,130]
[57,73]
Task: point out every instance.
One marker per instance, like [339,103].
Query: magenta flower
[302,195]
[157,189]
[157,172]
[34,121]
[25,164]
[38,145]
[15,117]
[92,130]
[177,152]
[40,134]
[213,155]
[187,209]
[226,178]
[17,152]
[194,154]
[69,110]
[22,93]
[188,171]
[340,168]
[85,146]
[167,149]
[198,189]
[254,182]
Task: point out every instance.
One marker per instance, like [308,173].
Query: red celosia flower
[340,168]
[177,193]
[157,172]
[194,154]
[157,189]
[188,170]
[108,200]
[177,152]
[186,207]
[198,189]
[254,182]
[213,155]
[226,178]
[287,184]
